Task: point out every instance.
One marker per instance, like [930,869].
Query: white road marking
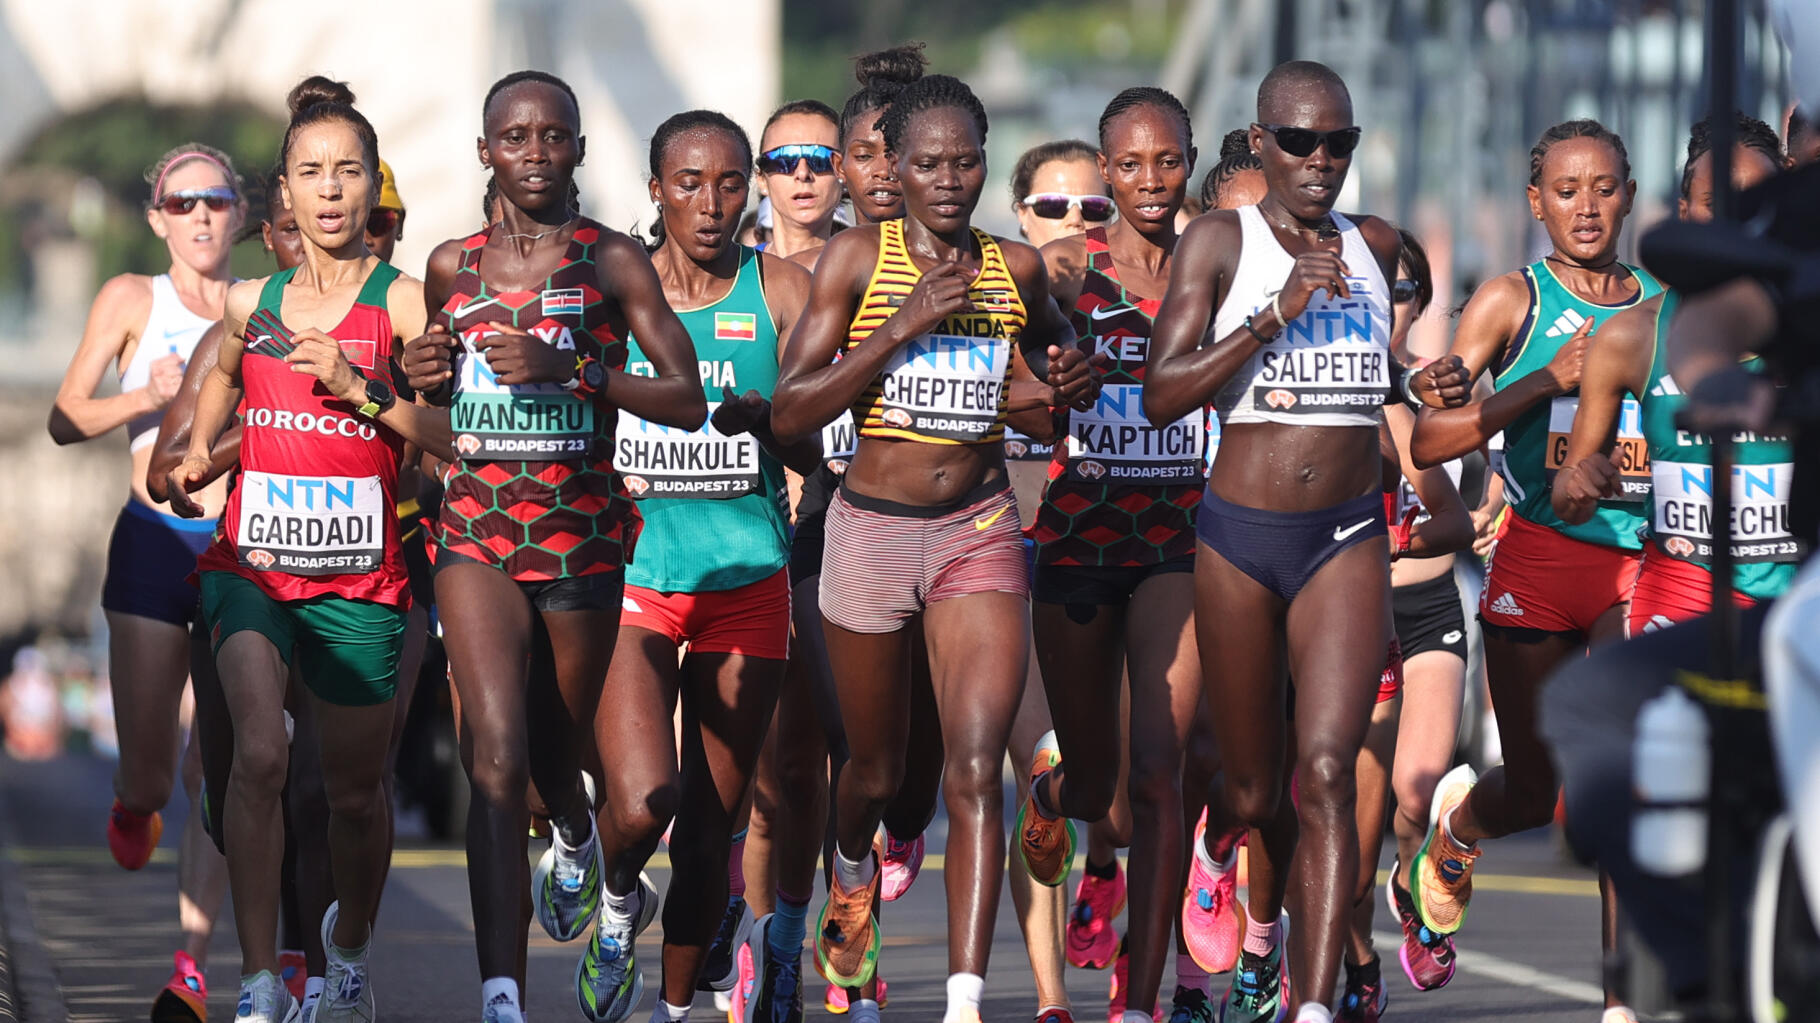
[1486,965]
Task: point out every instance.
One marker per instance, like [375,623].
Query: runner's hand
[1734,400]
[1565,368]
[740,413]
[165,378]
[1313,271]
[428,360]
[515,357]
[1485,529]
[321,356]
[1596,477]
[1443,383]
[188,476]
[939,294]
[1075,378]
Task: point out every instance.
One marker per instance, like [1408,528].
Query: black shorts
[1429,617]
[149,564]
[1283,550]
[806,542]
[1098,586]
[598,592]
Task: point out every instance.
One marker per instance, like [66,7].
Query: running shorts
[346,649]
[1097,585]
[806,540]
[752,620]
[1390,683]
[1670,591]
[599,591]
[885,562]
[150,560]
[1543,581]
[1429,617]
[1283,550]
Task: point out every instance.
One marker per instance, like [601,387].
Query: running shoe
[566,887]
[1361,1002]
[132,837]
[846,934]
[741,995]
[1212,925]
[608,983]
[307,1012]
[1260,984]
[899,861]
[293,969]
[346,995]
[186,998]
[265,999]
[500,1010]
[1441,877]
[1121,979]
[1046,842]
[1091,940]
[1055,1016]
[720,971]
[1618,1014]
[835,998]
[1427,957]
[778,996]
[1191,1005]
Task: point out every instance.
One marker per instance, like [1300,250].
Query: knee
[1414,790]
[641,812]
[260,765]
[798,771]
[971,778]
[500,771]
[1254,797]
[1326,779]
[356,800]
[1155,787]
[873,779]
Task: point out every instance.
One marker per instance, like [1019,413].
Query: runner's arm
[672,396]
[1448,528]
[1049,343]
[1030,404]
[786,295]
[416,421]
[1184,374]
[120,308]
[174,432]
[1616,366]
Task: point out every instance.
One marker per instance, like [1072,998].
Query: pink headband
[184,157]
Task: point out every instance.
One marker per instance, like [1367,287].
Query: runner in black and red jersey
[306,565]
[533,313]
[1114,585]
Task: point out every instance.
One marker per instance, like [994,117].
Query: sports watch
[590,376]
[379,398]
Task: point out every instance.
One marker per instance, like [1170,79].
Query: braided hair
[528,75]
[1235,157]
[934,92]
[1751,134]
[678,125]
[1584,128]
[882,75]
[1146,96]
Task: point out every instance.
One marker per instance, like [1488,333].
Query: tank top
[170,329]
[948,386]
[311,513]
[1535,443]
[533,490]
[713,505]
[1330,366]
[1679,507]
[1121,493]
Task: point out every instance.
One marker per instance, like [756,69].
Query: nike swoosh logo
[981,524]
[1341,534]
[1107,312]
[471,306]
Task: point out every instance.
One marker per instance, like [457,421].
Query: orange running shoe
[132,837]
[1046,842]
[846,934]
[1441,877]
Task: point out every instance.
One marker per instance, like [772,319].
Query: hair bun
[318,89]
[899,65]
[1235,142]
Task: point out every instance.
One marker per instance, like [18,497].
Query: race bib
[1328,360]
[1113,442]
[945,386]
[838,443]
[661,461]
[311,525]
[1683,524]
[1632,454]
[1021,447]
[530,422]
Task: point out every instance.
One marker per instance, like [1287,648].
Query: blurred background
[1451,94]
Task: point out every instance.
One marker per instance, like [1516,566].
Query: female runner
[535,529]
[927,310]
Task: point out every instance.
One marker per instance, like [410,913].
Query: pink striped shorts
[885,562]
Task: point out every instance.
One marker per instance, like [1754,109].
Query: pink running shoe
[1115,993]
[1211,922]
[835,998]
[899,861]
[1092,941]
[742,988]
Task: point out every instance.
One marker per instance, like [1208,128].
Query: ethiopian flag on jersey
[735,326]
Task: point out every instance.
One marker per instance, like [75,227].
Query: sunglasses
[1404,290]
[783,159]
[381,221]
[177,204]
[1303,141]
[1055,206]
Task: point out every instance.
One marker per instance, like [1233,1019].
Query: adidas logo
[1506,605]
[1665,388]
[1565,324]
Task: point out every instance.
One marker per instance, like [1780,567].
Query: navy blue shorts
[1283,550]
[149,564]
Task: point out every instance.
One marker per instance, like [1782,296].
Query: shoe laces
[1255,979]
[787,981]
[569,871]
[345,983]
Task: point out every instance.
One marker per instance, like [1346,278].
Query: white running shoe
[346,995]
[608,983]
[502,1010]
[265,999]
[565,887]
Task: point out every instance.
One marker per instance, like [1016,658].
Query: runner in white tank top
[148,326]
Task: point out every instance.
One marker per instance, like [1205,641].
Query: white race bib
[1683,523]
[1113,442]
[945,386]
[311,525]
[529,422]
[661,461]
[839,443]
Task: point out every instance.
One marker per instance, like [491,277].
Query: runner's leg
[252,677]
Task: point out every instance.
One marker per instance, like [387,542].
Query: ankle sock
[964,993]
[618,908]
[667,1013]
[789,924]
[1362,973]
[1039,794]
[854,874]
[1189,974]
[1104,873]
[1261,938]
[490,989]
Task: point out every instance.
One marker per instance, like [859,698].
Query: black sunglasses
[1300,142]
[1404,290]
[783,159]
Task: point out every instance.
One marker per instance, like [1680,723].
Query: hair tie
[193,154]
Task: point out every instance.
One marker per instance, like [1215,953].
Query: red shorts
[753,620]
[1669,591]
[1390,683]
[1540,579]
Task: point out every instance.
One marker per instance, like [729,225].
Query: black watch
[590,376]
[379,398]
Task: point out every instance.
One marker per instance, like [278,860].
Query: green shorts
[347,650]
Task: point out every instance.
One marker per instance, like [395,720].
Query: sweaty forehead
[942,128]
[1581,158]
[527,102]
[1306,103]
